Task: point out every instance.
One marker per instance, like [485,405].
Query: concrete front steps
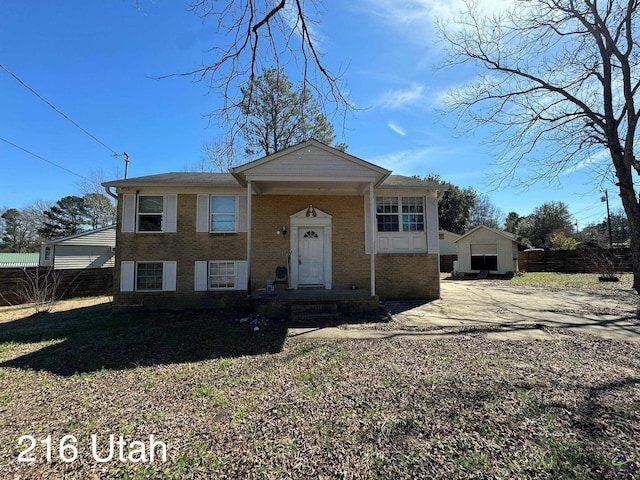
[314,314]
[309,306]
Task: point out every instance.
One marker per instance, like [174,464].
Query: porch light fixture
[282,231]
[311,212]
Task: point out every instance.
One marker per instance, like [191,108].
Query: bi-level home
[310,216]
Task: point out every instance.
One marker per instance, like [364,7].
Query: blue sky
[94,60]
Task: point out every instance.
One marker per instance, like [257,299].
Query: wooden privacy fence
[574,261]
[73,283]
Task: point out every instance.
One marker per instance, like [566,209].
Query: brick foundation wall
[131,301]
[407,276]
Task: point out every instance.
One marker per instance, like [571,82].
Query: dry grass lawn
[233,403]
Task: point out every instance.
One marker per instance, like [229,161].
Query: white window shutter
[170,213]
[128,212]
[127,276]
[200,282]
[367,225]
[241,275]
[241,211]
[202,213]
[169,277]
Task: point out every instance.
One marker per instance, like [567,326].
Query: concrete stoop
[314,313]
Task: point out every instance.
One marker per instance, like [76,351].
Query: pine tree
[66,217]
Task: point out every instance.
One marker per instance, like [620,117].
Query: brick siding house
[332,220]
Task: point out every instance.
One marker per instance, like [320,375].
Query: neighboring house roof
[81,238]
[18,260]
[449,234]
[502,233]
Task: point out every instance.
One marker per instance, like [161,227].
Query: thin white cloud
[397,129]
[413,161]
[596,158]
[415,19]
[397,99]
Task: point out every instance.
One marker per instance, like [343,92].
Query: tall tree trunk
[632,209]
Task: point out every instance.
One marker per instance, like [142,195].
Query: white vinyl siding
[220,275]
[69,257]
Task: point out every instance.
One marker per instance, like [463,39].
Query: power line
[43,159]
[589,217]
[589,207]
[115,154]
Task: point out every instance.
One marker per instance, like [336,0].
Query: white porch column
[374,247]
[249,227]
[432,222]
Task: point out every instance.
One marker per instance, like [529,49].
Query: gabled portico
[311,169]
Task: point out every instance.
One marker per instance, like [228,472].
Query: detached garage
[487,249]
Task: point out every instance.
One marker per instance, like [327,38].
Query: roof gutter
[110,193]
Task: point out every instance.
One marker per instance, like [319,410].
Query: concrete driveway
[501,310]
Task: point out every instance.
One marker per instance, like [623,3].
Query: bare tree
[484,212]
[560,82]
[218,154]
[39,289]
[257,34]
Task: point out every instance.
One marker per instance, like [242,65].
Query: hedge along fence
[73,283]
[574,261]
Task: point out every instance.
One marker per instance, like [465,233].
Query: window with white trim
[150,213]
[412,214]
[387,214]
[400,214]
[149,276]
[223,214]
[222,275]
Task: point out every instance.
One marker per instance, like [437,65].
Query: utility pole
[605,198]
[126,162]
[126,172]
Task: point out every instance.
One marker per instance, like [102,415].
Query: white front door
[310,256]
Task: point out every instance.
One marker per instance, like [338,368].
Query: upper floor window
[150,213]
[387,214]
[223,213]
[412,214]
[400,214]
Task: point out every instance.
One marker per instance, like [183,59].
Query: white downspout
[374,247]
